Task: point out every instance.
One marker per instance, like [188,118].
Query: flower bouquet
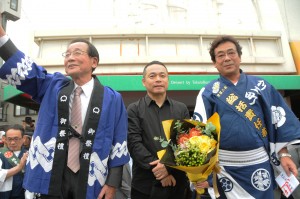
[192,147]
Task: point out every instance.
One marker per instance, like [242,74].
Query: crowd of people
[87,144]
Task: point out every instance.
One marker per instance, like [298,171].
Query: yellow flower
[213,143]
[198,156]
[195,140]
[204,143]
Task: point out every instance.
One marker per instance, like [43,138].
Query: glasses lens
[16,139]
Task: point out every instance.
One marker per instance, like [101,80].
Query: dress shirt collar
[149,101]
[87,88]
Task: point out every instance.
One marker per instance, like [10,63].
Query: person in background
[256,125]
[79,145]
[12,163]
[123,192]
[2,133]
[150,178]
[28,124]
[27,141]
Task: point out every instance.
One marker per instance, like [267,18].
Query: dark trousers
[205,195]
[135,194]
[180,191]
[69,186]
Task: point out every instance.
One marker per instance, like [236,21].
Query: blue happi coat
[17,189]
[253,115]
[109,150]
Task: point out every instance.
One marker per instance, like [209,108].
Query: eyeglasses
[15,139]
[75,53]
[230,54]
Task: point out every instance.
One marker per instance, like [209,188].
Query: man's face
[27,140]
[14,139]
[78,64]
[156,79]
[227,59]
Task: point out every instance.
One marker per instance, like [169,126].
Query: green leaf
[209,128]
[164,144]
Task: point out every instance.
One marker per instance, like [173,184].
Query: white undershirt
[17,153]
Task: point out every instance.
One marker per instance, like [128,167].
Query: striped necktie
[76,122]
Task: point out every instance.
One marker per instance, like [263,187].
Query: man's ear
[95,62]
[143,81]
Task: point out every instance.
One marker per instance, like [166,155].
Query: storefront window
[20,111]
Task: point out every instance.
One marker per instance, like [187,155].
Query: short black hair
[220,40]
[151,63]
[15,127]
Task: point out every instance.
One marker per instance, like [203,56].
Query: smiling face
[227,60]
[156,80]
[78,64]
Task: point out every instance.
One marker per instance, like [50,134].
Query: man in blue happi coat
[256,125]
[99,133]
[12,161]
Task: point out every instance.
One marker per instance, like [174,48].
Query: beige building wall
[128,34]
[177,32]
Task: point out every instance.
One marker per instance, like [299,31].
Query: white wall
[290,12]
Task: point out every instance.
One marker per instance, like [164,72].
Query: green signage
[176,82]
[193,82]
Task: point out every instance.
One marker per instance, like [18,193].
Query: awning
[176,83]
[14,96]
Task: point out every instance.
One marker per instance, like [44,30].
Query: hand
[201,185]
[159,171]
[287,163]
[289,166]
[107,192]
[168,181]
[23,160]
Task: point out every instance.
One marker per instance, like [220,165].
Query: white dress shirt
[85,97]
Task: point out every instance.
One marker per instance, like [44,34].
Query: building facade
[129,34]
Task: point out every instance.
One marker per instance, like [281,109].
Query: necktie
[76,122]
